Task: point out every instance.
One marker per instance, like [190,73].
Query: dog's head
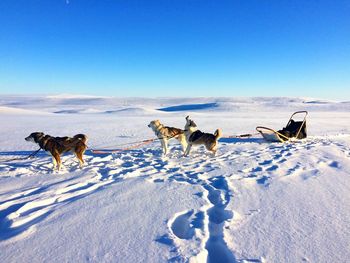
[154,124]
[190,123]
[34,137]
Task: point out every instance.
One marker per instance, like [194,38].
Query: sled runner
[294,129]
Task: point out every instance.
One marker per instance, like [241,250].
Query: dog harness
[43,142]
[172,132]
[195,136]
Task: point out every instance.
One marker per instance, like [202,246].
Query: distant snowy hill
[91,104]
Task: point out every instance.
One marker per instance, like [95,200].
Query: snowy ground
[253,202]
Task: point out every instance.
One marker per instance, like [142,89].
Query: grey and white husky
[165,133]
[196,137]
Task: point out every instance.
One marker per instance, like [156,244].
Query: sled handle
[304,120]
[298,112]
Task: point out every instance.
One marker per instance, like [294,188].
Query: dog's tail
[81,137]
[218,134]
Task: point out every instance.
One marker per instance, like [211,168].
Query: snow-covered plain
[254,202]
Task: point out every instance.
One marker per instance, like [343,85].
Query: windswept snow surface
[253,202]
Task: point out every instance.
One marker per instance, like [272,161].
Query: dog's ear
[187,118]
[34,134]
[38,134]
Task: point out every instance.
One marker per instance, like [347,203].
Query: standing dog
[164,134]
[196,137]
[58,145]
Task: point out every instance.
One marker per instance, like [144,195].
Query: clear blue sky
[176,47]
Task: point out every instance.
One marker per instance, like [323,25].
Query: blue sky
[176,48]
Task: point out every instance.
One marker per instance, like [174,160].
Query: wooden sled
[293,130]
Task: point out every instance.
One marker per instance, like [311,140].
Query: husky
[58,145]
[196,137]
[165,133]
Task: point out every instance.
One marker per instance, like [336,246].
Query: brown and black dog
[58,145]
[196,137]
[165,133]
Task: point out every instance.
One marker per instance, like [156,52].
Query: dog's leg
[166,146]
[183,143]
[162,141]
[57,157]
[214,149]
[188,149]
[79,156]
[54,162]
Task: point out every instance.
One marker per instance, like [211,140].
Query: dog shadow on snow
[23,162]
[19,154]
[11,161]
